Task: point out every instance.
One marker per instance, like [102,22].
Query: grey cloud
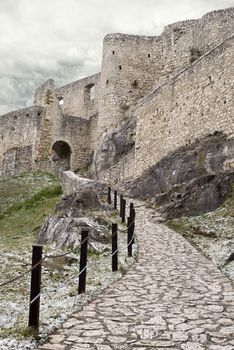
[63,39]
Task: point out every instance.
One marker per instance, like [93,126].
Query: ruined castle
[153,95]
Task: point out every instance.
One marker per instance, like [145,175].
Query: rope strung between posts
[132,239]
[124,229]
[67,253]
[34,299]
[21,275]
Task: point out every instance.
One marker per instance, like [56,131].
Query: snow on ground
[59,296]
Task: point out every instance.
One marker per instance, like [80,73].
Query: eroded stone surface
[172,298]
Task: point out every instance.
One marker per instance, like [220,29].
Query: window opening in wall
[60,101]
[120,67]
[113,52]
[92,92]
[148,54]
[89,93]
[107,82]
[135,83]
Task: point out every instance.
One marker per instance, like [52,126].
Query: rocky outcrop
[66,231]
[114,145]
[82,207]
[193,180]
[73,183]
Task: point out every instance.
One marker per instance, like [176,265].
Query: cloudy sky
[62,39]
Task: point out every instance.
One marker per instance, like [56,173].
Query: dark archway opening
[61,155]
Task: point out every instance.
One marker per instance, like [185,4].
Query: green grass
[26,201]
[216,224]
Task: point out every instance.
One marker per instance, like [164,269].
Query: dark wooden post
[115,199]
[121,205]
[129,236]
[83,261]
[132,216]
[114,247]
[123,210]
[34,306]
[109,195]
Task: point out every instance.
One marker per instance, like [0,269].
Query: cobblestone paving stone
[172,298]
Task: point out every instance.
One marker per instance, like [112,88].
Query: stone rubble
[171,298]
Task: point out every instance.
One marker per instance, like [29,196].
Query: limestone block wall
[18,134]
[213,28]
[129,68]
[75,132]
[122,170]
[133,65]
[80,98]
[42,94]
[196,102]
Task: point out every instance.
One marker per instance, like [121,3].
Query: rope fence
[120,204]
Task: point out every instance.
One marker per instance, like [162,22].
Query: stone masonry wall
[75,132]
[173,83]
[18,133]
[133,65]
[194,103]
[122,170]
[80,98]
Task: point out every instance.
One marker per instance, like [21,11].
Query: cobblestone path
[172,298]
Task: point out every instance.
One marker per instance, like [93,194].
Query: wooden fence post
[115,200]
[114,247]
[83,261]
[121,205]
[35,290]
[130,235]
[109,196]
[123,210]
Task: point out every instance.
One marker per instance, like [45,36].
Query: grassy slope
[25,201]
[212,233]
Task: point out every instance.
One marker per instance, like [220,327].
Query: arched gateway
[61,155]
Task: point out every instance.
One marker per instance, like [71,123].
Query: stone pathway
[172,298]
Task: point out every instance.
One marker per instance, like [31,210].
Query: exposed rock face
[67,231]
[73,183]
[83,209]
[193,180]
[115,144]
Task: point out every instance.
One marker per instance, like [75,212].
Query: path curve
[172,298]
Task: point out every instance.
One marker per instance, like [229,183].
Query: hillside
[212,233]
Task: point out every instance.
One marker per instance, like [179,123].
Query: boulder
[66,231]
[88,191]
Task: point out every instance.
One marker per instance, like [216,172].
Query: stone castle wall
[81,97]
[194,103]
[175,84]
[18,131]
[133,65]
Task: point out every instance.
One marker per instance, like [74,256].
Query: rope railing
[21,275]
[38,258]
[67,253]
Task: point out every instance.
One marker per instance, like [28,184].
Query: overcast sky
[62,39]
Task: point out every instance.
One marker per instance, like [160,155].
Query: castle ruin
[153,95]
